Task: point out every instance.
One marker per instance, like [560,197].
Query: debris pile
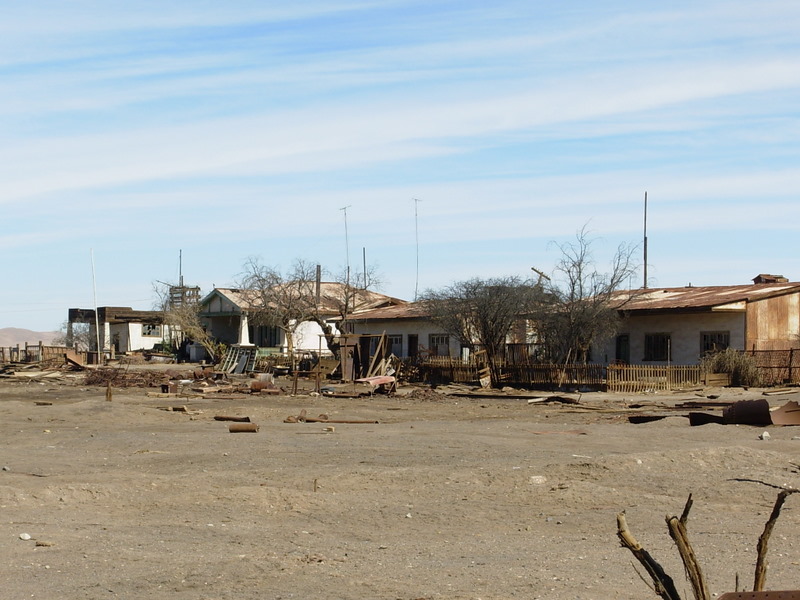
[122,379]
[426,395]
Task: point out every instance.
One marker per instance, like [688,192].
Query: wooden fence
[37,353]
[629,379]
[614,378]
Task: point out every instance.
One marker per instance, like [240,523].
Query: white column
[244,331]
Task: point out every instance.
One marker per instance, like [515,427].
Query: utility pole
[346,243]
[645,241]
[416,239]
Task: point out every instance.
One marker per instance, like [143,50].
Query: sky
[443,140]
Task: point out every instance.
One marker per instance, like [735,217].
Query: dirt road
[443,498]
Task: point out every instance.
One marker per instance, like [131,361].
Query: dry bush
[739,365]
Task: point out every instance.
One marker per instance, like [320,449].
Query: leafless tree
[580,305]
[185,322]
[287,299]
[76,335]
[482,312]
[278,299]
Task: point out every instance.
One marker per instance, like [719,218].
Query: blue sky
[134,130]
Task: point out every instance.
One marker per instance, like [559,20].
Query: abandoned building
[227,313]
[120,328]
[681,325]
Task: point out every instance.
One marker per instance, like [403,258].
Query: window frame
[655,349]
[706,341]
[150,330]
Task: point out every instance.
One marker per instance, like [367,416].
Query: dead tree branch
[761,562]
[680,535]
[663,584]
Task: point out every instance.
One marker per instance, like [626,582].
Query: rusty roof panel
[731,297]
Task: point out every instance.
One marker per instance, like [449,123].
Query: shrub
[741,367]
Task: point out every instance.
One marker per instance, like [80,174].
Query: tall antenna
[346,242]
[364,256]
[416,238]
[645,241]
[96,316]
[180,268]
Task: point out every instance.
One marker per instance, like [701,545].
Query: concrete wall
[136,340]
[307,337]
[685,335]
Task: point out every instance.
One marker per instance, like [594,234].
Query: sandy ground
[443,498]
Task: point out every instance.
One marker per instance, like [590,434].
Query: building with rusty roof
[226,312]
[680,325]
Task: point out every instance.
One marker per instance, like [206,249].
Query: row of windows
[658,346]
[438,344]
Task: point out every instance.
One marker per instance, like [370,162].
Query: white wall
[131,337]
[138,341]
[684,330]
[308,336]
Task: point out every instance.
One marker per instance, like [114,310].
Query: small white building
[121,328]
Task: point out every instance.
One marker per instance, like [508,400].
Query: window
[657,346]
[395,344]
[151,330]
[714,341]
[439,344]
[266,336]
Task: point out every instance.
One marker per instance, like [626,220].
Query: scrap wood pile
[27,371]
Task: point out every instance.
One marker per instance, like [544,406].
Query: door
[623,353]
[413,345]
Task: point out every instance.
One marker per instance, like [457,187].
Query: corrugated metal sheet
[730,297]
[331,293]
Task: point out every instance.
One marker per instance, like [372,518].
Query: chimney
[767,278]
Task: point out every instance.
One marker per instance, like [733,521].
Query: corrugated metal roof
[408,310]
[700,297]
[330,296]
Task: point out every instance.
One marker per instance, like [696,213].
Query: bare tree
[341,299]
[76,335]
[287,299]
[580,307]
[482,312]
[278,299]
[185,322]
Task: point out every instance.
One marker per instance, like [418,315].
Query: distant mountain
[11,336]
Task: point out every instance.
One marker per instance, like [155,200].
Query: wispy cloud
[251,125]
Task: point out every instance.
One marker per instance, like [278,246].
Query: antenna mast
[416,239]
[346,242]
[645,241]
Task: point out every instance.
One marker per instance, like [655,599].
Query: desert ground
[440,497]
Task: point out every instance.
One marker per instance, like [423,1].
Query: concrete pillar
[244,331]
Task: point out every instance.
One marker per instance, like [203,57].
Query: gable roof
[726,297]
[330,294]
[407,310]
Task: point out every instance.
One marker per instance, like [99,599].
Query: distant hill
[11,336]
